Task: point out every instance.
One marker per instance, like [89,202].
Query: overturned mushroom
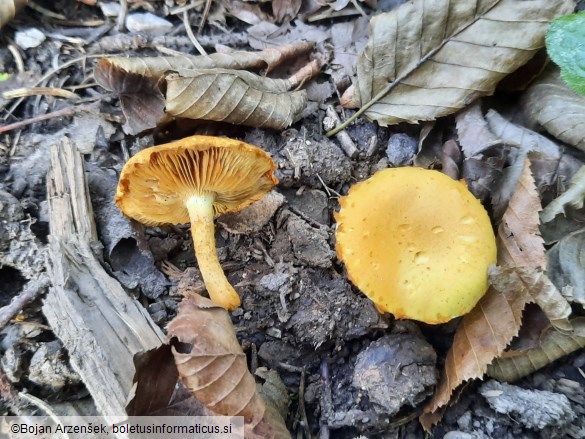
[417,243]
[193,180]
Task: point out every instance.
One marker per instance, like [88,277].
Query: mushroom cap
[417,243]
[155,183]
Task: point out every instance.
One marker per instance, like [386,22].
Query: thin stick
[205,15]
[17,58]
[345,141]
[191,35]
[33,289]
[121,23]
[64,112]
[36,91]
[49,74]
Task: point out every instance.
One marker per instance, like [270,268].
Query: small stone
[29,38]
[401,149]
[328,123]
[50,369]
[110,9]
[148,23]
[274,332]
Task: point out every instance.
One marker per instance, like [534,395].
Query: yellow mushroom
[193,180]
[417,243]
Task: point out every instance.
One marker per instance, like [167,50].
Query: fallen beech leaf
[155,391]
[572,198]
[566,265]
[485,153]
[553,345]
[214,369]
[539,289]
[233,96]
[429,58]
[140,98]
[544,156]
[561,111]
[157,67]
[482,335]
[519,241]
[9,8]
[285,10]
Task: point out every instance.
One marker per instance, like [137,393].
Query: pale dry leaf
[213,366]
[265,35]
[560,110]
[430,58]
[572,198]
[473,131]
[566,266]
[535,284]
[543,153]
[285,10]
[158,66]
[482,335]
[9,8]
[519,240]
[553,345]
[232,96]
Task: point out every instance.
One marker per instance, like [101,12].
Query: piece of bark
[99,324]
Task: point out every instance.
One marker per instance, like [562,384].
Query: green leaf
[565,42]
[4,76]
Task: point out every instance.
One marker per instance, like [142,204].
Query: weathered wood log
[101,326]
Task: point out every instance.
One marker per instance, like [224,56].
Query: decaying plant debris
[103,315]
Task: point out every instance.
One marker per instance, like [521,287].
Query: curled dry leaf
[538,288]
[157,67]
[566,265]
[214,369]
[544,156]
[482,335]
[553,345]
[560,110]
[519,241]
[429,58]
[9,8]
[485,153]
[233,96]
[141,100]
[572,198]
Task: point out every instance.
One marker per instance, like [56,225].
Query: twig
[302,410]
[36,91]
[325,401]
[48,75]
[46,12]
[204,17]
[33,289]
[344,140]
[64,112]
[191,35]
[121,23]
[17,58]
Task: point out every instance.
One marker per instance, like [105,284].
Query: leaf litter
[296,302]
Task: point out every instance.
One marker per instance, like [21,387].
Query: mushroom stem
[200,209]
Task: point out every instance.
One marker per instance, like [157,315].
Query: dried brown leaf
[566,266]
[451,159]
[553,345]
[214,367]
[473,131]
[573,198]
[519,240]
[140,97]
[538,287]
[561,111]
[157,67]
[9,8]
[482,335]
[429,58]
[285,10]
[155,391]
[237,97]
